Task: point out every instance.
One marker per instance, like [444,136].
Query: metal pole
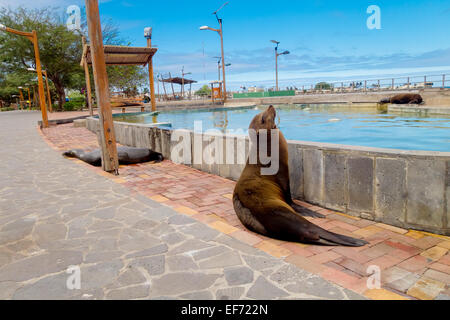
[182,84]
[393,83]
[443,81]
[150,75]
[223,63]
[276,68]
[159,96]
[107,139]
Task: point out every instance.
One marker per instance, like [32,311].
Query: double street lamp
[276,59]
[32,36]
[219,66]
[220,32]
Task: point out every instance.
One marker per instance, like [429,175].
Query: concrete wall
[432,97]
[401,188]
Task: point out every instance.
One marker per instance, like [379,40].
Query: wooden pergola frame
[118,56]
[180,81]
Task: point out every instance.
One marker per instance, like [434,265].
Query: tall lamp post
[148,35]
[220,32]
[44,72]
[32,36]
[276,60]
[182,80]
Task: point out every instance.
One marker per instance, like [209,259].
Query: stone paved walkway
[414,265]
[56,213]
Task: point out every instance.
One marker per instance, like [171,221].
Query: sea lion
[404,98]
[263,203]
[126,156]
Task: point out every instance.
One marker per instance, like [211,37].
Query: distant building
[255,89]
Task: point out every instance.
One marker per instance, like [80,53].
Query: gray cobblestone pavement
[55,213]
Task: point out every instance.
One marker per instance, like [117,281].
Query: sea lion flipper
[287,225]
[305,212]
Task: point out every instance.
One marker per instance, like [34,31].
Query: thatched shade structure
[178,80]
[119,55]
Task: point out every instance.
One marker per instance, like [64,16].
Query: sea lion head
[264,120]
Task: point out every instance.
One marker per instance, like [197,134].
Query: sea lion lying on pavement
[264,204]
[126,156]
[404,98]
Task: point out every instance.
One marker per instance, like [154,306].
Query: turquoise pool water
[358,126]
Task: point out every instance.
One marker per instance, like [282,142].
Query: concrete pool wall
[407,189]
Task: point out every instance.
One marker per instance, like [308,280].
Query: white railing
[374,85]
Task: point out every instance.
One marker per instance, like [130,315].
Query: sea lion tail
[288,225]
[330,238]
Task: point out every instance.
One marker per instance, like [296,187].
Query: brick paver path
[413,264]
[57,213]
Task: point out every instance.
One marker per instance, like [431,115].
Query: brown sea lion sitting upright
[404,98]
[264,203]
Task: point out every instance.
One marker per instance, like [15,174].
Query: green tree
[60,51]
[126,78]
[203,91]
[323,86]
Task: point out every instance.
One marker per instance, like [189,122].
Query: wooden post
[171,83]
[108,144]
[29,98]
[34,96]
[50,106]
[40,81]
[87,77]
[21,98]
[151,76]
[164,87]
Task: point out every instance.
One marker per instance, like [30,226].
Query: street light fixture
[44,72]
[276,59]
[220,32]
[32,36]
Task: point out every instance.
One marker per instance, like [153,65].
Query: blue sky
[328,40]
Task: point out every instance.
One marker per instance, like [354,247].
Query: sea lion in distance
[404,98]
[263,203]
[126,156]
